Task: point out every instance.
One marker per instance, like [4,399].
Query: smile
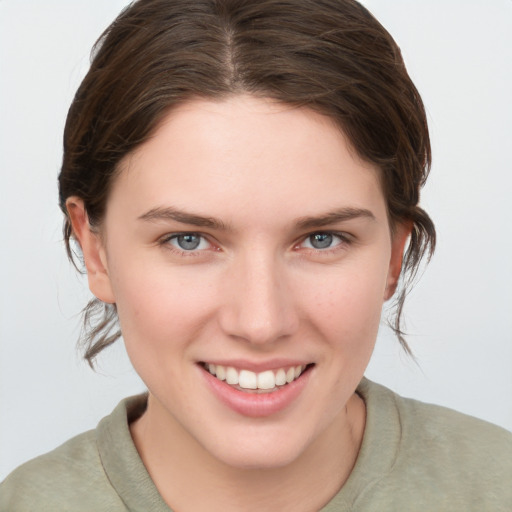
[256,393]
[246,380]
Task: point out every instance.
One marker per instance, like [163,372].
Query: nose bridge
[259,306]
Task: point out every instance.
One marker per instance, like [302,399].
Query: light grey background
[459,52]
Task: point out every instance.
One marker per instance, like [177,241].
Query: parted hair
[331,56]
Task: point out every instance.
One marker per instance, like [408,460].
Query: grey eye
[188,241]
[321,240]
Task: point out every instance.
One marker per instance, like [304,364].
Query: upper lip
[258,366]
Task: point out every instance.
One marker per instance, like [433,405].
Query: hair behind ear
[422,244]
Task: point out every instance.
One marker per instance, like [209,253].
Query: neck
[190,478]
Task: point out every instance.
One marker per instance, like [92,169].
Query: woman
[242,179]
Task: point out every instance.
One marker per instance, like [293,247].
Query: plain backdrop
[458,52]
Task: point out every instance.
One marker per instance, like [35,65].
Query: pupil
[321,240]
[188,242]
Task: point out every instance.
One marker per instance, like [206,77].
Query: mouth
[268,381]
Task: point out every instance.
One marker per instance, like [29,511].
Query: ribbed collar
[121,461]
[379,449]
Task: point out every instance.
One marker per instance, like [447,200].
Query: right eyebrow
[339,215]
[169,213]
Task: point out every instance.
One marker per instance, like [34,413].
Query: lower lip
[256,405]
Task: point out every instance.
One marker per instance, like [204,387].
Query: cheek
[161,314]
[157,307]
[348,307]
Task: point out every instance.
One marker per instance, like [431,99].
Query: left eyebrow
[173,214]
[341,215]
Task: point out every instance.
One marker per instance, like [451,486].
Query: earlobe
[400,236]
[92,249]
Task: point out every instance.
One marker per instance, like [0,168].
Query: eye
[188,242]
[323,240]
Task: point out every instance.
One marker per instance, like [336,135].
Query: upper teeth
[246,379]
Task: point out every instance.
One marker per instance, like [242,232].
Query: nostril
[258,305]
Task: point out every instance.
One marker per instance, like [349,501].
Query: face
[246,242]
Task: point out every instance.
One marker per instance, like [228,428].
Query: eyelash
[344,240]
[165,242]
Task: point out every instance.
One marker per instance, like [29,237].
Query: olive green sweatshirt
[414,457]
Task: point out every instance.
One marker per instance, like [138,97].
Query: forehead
[244,154]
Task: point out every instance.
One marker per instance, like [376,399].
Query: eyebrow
[169,213]
[310,222]
[340,215]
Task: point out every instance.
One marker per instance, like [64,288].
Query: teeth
[231,376]
[248,380]
[280,377]
[266,380]
[251,380]
[221,372]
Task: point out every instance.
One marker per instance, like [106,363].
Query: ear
[399,238]
[92,249]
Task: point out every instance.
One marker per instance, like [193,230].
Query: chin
[259,451]
[258,459]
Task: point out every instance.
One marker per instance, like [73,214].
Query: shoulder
[438,427]
[458,438]
[457,458]
[71,477]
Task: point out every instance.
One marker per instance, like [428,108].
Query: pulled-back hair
[331,56]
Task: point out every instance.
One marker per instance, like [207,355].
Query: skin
[255,289]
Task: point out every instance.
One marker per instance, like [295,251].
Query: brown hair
[331,56]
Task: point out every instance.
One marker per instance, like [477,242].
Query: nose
[259,306]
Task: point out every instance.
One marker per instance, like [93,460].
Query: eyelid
[345,239]
[165,242]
